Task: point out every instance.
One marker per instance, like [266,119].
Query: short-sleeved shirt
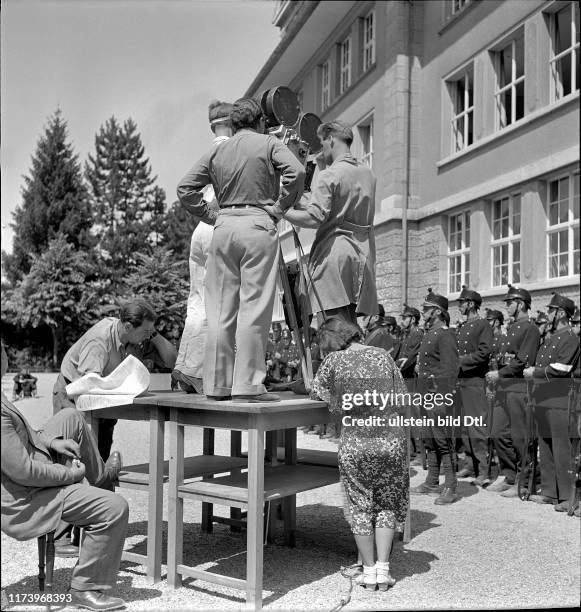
[99,350]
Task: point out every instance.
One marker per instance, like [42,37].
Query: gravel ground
[482,552]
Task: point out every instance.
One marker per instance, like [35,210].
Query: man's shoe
[543,499]
[113,466]
[256,399]
[499,485]
[66,549]
[512,491]
[425,489]
[562,506]
[95,600]
[465,473]
[449,496]
[189,384]
[482,480]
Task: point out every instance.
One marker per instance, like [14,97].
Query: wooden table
[246,491]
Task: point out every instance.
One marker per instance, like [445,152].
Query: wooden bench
[281,482]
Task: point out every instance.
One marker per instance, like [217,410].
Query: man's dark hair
[246,113]
[337,128]
[136,311]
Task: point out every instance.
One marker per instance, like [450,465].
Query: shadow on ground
[324,543]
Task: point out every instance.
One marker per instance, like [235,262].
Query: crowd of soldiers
[516,375]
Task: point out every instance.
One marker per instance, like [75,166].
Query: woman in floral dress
[373,457]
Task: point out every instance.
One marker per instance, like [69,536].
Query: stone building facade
[468,113]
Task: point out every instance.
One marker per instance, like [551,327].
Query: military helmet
[492,315]
[410,311]
[437,300]
[469,294]
[389,320]
[560,301]
[541,317]
[516,293]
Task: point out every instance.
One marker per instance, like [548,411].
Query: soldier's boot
[449,495]
[431,485]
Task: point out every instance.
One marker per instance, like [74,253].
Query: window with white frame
[462,96]
[510,82]
[368,41]
[458,251]
[365,138]
[563,226]
[564,63]
[344,65]
[458,5]
[325,85]
[506,221]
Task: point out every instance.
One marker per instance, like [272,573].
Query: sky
[159,62]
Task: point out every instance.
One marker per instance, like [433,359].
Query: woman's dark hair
[337,334]
[246,113]
[136,311]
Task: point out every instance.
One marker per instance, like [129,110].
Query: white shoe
[384,578]
[368,578]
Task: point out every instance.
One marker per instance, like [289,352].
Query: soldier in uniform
[518,352]
[407,355]
[474,347]
[551,375]
[576,321]
[542,322]
[383,336]
[437,369]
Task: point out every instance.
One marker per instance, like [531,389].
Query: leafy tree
[54,201]
[158,279]
[60,292]
[123,196]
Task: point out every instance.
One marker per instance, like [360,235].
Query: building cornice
[301,16]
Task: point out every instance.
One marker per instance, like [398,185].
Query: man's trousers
[555,456]
[190,360]
[240,283]
[101,514]
[511,422]
[475,439]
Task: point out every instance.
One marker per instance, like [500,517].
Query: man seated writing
[44,482]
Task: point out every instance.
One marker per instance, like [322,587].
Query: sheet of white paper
[129,378]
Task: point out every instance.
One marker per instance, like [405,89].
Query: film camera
[298,131]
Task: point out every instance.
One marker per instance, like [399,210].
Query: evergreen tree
[54,201]
[159,280]
[177,231]
[122,195]
[60,292]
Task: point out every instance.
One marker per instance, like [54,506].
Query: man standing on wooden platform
[341,209]
[256,179]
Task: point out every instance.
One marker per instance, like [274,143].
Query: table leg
[175,513]
[254,535]
[208,509]
[289,504]
[235,451]
[155,510]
